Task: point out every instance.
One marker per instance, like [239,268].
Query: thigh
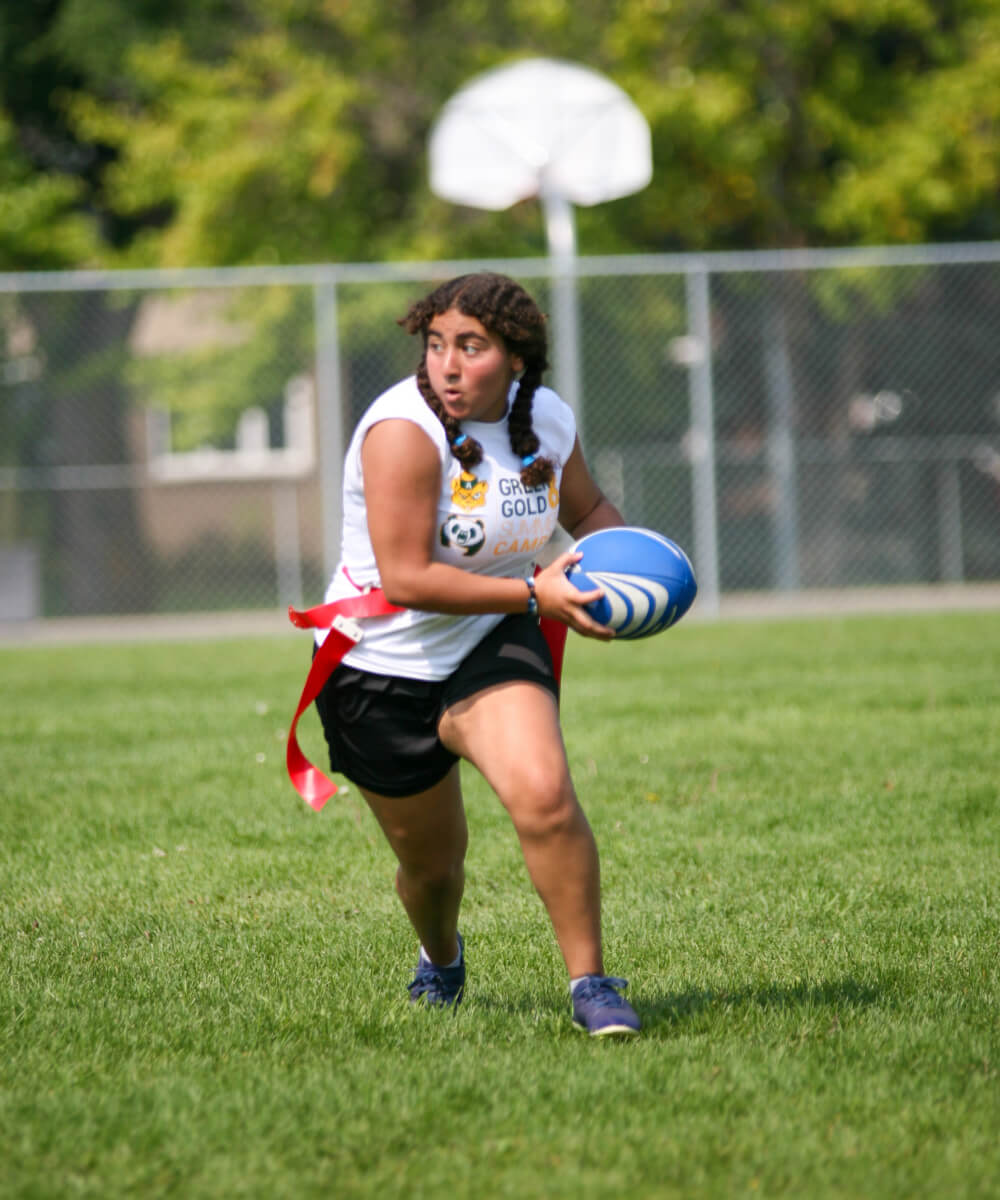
[510,732]
[427,829]
[514,650]
[382,731]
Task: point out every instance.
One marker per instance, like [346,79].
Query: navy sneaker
[599,1010]
[439,987]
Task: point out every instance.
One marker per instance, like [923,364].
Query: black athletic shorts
[382,729]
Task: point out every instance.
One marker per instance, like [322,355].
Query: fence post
[951,567]
[329,417]
[781,448]
[287,548]
[705,517]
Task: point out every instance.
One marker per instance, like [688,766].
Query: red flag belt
[339,618]
[345,633]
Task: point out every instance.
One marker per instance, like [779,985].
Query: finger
[591,629]
[576,595]
[583,623]
[564,560]
[585,598]
[558,594]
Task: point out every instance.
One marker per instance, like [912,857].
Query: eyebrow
[462,335]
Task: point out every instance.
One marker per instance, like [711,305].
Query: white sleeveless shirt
[487,522]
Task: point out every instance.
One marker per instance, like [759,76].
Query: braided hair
[503,307]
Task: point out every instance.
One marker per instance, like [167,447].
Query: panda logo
[467,534]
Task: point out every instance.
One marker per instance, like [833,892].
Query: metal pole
[287,548]
[951,567]
[706,534]
[781,450]
[329,419]
[560,229]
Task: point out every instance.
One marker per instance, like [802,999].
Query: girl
[454,481]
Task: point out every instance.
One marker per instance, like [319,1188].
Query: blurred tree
[40,224]
[296,130]
[778,123]
[69,409]
[222,132]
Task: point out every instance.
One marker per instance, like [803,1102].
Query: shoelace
[424,978]
[601,991]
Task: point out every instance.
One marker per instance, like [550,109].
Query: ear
[516,364]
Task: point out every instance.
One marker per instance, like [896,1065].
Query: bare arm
[402,477]
[583,507]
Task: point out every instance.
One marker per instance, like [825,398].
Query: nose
[450,362]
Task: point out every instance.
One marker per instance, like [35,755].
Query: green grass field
[203,985]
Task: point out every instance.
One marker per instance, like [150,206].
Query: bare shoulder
[401,447]
[399,450]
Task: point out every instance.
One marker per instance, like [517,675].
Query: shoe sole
[423,1002]
[608,1030]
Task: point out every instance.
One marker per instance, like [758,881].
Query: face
[470,369]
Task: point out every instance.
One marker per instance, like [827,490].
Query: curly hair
[504,308]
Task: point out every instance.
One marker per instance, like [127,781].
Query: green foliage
[204,983]
[40,226]
[297,131]
[247,152]
[932,167]
[786,124]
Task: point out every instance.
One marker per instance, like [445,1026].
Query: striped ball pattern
[647,580]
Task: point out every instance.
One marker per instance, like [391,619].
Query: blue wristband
[532,601]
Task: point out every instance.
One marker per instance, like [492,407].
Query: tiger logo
[468,492]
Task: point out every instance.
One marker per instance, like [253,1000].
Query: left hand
[559,599]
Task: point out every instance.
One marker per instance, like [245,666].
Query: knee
[436,871]
[542,803]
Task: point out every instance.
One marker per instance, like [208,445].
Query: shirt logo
[467,534]
[468,492]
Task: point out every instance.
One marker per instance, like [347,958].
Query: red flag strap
[554,633]
[339,617]
[312,785]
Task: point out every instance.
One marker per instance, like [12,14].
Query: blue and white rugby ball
[647,579]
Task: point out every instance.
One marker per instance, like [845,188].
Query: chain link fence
[172,442]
